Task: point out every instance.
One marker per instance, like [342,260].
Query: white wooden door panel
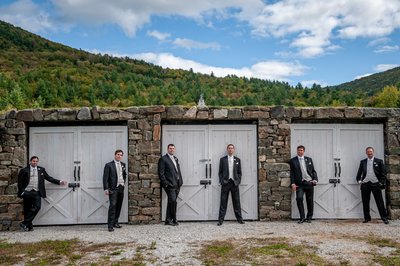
[319,141]
[191,152]
[358,137]
[56,151]
[244,138]
[102,143]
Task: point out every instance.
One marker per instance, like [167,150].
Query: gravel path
[335,240]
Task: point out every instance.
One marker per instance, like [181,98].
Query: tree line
[37,73]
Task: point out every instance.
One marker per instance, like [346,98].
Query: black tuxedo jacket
[379,169]
[168,174]
[223,172]
[296,176]
[110,175]
[24,178]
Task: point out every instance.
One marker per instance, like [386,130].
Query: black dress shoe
[366,221]
[169,223]
[301,221]
[175,223]
[385,221]
[241,222]
[219,223]
[117,225]
[307,220]
[23,227]
[110,229]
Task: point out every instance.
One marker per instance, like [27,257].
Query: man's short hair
[34,157]
[170,145]
[118,151]
[301,147]
[370,148]
[230,145]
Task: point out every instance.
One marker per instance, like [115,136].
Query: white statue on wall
[201,103]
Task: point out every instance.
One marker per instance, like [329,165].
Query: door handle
[79,173]
[74,173]
[334,181]
[73,185]
[340,169]
[335,169]
[210,172]
[206,171]
[205,183]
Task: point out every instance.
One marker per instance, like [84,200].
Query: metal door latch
[73,185]
[334,181]
[205,183]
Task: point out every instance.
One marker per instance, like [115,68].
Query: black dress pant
[309,191]
[366,189]
[225,189]
[115,197]
[172,194]
[32,205]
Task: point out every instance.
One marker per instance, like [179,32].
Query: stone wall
[144,135]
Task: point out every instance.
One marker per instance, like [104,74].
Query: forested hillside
[35,72]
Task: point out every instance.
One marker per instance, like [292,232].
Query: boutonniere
[309,163]
[237,162]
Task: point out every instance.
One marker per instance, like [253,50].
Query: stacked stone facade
[144,142]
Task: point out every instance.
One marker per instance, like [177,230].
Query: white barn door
[192,152]
[77,155]
[336,150]
[199,148]
[244,137]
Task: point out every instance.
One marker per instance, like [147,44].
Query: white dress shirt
[118,165]
[33,180]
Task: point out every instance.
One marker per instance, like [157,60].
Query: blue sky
[306,41]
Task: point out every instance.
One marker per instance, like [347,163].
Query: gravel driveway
[334,240]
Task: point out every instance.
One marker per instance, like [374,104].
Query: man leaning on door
[31,188]
[114,178]
[371,176]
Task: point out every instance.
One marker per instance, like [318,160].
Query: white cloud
[384,67]
[27,15]
[133,15]
[363,76]
[379,41]
[387,49]
[161,36]
[312,25]
[310,83]
[378,68]
[191,44]
[271,70]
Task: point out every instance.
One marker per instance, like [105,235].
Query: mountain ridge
[36,72]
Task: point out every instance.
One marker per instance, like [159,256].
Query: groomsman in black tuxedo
[114,178]
[371,176]
[303,178]
[170,176]
[31,189]
[230,175]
